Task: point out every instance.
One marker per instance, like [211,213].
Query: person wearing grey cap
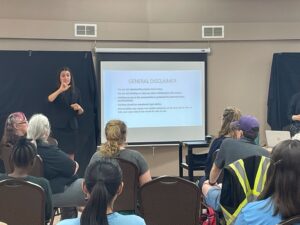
[232,150]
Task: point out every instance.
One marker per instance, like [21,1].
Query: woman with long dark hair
[102,185]
[280,198]
[66,107]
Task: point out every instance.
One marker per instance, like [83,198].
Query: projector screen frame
[137,54]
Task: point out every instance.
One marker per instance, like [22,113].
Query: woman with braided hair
[22,156]
[116,132]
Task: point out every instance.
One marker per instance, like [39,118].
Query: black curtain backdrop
[284,83]
[27,78]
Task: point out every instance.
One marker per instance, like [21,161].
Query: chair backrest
[22,202]
[127,200]
[291,221]
[38,167]
[5,155]
[170,200]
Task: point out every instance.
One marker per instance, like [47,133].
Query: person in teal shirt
[102,185]
[280,197]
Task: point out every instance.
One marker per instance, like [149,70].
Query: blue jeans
[212,198]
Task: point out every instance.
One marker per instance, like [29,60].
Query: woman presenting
[64,111]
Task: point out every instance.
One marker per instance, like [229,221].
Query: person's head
[102,184]
[38,127]
[23,154]
[230,114]
[115,132]
[16,125]
[283,179]
[65,76]
[234,130]
[249,126]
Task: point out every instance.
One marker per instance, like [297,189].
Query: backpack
[209,217]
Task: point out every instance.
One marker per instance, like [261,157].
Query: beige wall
[238,66]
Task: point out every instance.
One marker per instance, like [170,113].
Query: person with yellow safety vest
[232,150]
[280,199]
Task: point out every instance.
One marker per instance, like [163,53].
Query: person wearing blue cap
[232,150]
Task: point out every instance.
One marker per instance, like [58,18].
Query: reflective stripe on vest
[251,194]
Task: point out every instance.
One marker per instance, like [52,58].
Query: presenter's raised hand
[296,117]
[63,87]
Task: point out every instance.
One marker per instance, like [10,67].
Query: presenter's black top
[61,113]
[64,120]
[294,107]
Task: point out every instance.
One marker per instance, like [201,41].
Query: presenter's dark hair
[115,132]
[230,114]
[102,179]
[283,179]
[23,153]
[72,82]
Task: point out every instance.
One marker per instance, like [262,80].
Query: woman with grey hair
[59,169]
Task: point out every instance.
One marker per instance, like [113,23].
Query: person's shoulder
[96,156]
[255,205]
[131,151]
[75,221]
[118,218]
[229,141]
[218,141]
[263,151]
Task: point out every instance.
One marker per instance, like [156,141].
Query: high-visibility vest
[243,182]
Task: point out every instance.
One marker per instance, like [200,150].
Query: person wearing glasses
[16,126]
[65,108]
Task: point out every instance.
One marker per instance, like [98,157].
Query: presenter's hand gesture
[77,107]
[296,117]
[63,87]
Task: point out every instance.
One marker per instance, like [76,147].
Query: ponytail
[102,181]
[94,212]
[110,149]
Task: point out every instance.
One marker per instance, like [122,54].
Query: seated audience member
[280,197]
[15,127]
[294,114]
[59,169]
[116,131]
[232,150]
[230,114]
[102,185]
[22,156]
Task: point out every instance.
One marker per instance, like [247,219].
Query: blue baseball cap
[248,123]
